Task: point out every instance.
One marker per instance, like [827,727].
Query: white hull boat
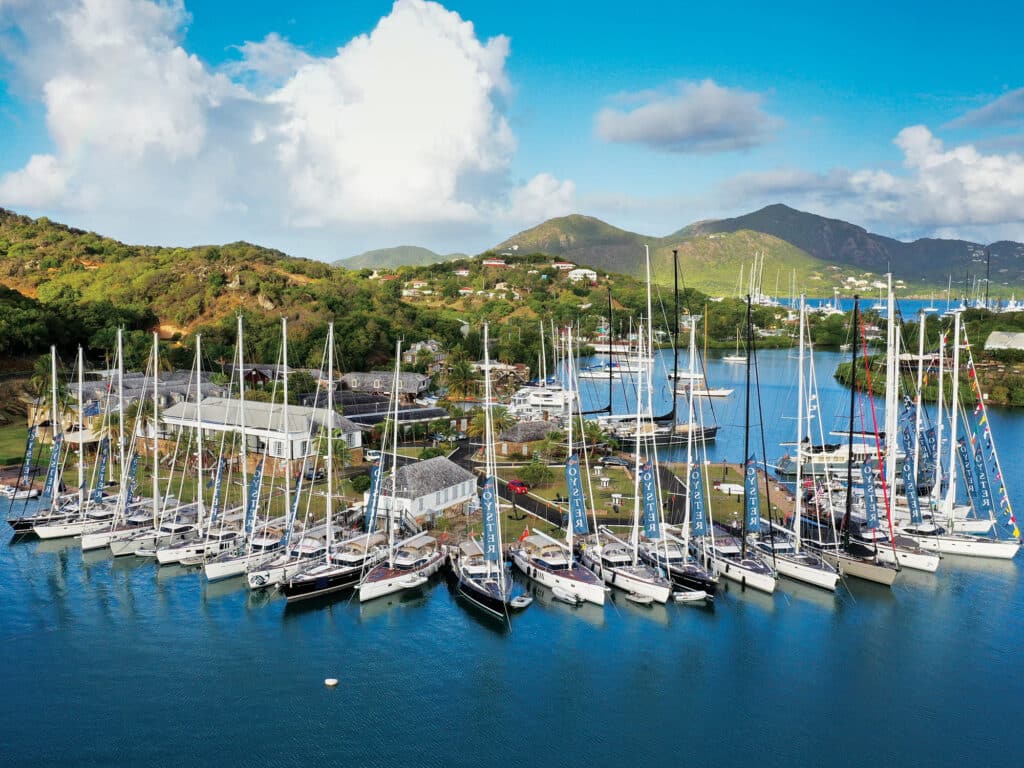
[633,579]
[550,565]
[936,540]
[383,580]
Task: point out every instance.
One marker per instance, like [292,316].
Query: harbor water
[124,663]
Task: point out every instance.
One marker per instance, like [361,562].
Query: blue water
[116,663]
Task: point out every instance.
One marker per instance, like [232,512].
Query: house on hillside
[499,263]
[410,385]
[582,274]
[563,266]
[437,354]
[425,489]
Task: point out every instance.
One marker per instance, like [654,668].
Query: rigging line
[764,455]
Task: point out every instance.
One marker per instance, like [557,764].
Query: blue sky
[327,128]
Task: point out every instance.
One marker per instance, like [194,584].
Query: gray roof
[380,381]
[1004,340]
[428,476]
[258,416]
[527,431]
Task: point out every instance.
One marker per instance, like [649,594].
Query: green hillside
[399,256]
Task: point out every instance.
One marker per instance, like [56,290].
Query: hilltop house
[410,385]
[411,355]
[426,488]
[582,274]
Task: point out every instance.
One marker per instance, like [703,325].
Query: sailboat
[96,511]
[931,308]
[409,563]
[730,555]
[851,557]
[346,562]
[611,558]
[737,357]
[479,567]
[672,554]
[782,547]
[551,562]
[939,538]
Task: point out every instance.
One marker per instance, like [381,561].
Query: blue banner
[577,505]
[910,488]
[26,469]
[652,527]
[489,503]
[930,446]
[253,499]
[129,490]
[867,473]
[906,439]
[968,466]
[51,471]
[984,507]
[101,470]
[698,512]
[294,510]
[371,507]
[752,499]
[218,485]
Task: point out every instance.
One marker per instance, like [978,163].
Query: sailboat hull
[192,549]
[147,544]
[215,570]
[105,538]
[746,577]
[921,560]
[807,574]
[861,569]
[574,584]
[630,580]
[68,529]
[382,581]
[968,546]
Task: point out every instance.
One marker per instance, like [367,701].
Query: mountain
[928,260]
[399,256]
[821,252]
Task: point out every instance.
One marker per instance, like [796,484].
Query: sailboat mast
[917,399]
[634,536]
[286,430]
[849,426]
[543,358]
[199,421]
[241,420]
[689,443]
[954,413]
[81,430]
[489,458]
[569,436]
[394,457]
[330,439]
[937,489]
[120,401]
[675,333]
[799,429]
[746,435]
[892,384]
[156,430]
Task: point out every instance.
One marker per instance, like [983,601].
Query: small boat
[636,597]
[737,357]
[521,602]
[690,596]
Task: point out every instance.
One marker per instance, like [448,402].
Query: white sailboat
[736,358]
[410,563]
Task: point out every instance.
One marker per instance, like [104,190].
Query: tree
[461,379]
[361,483]
[536,473]
[501,420]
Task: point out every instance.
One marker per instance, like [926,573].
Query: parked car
[315,474]
[518,486]
[371,455]
[615,461]
[461,436]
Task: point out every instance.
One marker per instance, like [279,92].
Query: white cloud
[699,117]
[402,126]
[542,197]
[958,189]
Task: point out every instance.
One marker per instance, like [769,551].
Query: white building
[583,274]
[426,488]
[1004,340]
[265,428]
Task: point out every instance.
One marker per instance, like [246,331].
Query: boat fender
[331,682]
[614,574]
[743,582]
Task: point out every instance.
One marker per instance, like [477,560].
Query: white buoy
[330,682]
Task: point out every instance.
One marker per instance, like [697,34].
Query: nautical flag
[652,527]
[101,470]
[253,500]
[698,513]
[984,491]
[489,503]
[129,491]
[867,472]
[752,501]
[577,506]
[524,534]
[51,471]
[909,486]
[371,507]
[218,485]
[29,445]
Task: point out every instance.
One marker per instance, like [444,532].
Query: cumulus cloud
[940,189]
[693,117]
[403,125]
[1008,109]
[542,197]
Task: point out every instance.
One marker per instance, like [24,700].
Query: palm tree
[461,379]
[501,420]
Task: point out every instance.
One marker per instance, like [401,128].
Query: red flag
[444,536]
[524,534]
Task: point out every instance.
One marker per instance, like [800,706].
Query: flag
[524,534]
[752,501]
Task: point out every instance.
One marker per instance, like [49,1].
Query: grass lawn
[723,506]
[12,447]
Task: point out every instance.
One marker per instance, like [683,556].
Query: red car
[518,486]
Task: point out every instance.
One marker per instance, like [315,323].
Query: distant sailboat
[736,358]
